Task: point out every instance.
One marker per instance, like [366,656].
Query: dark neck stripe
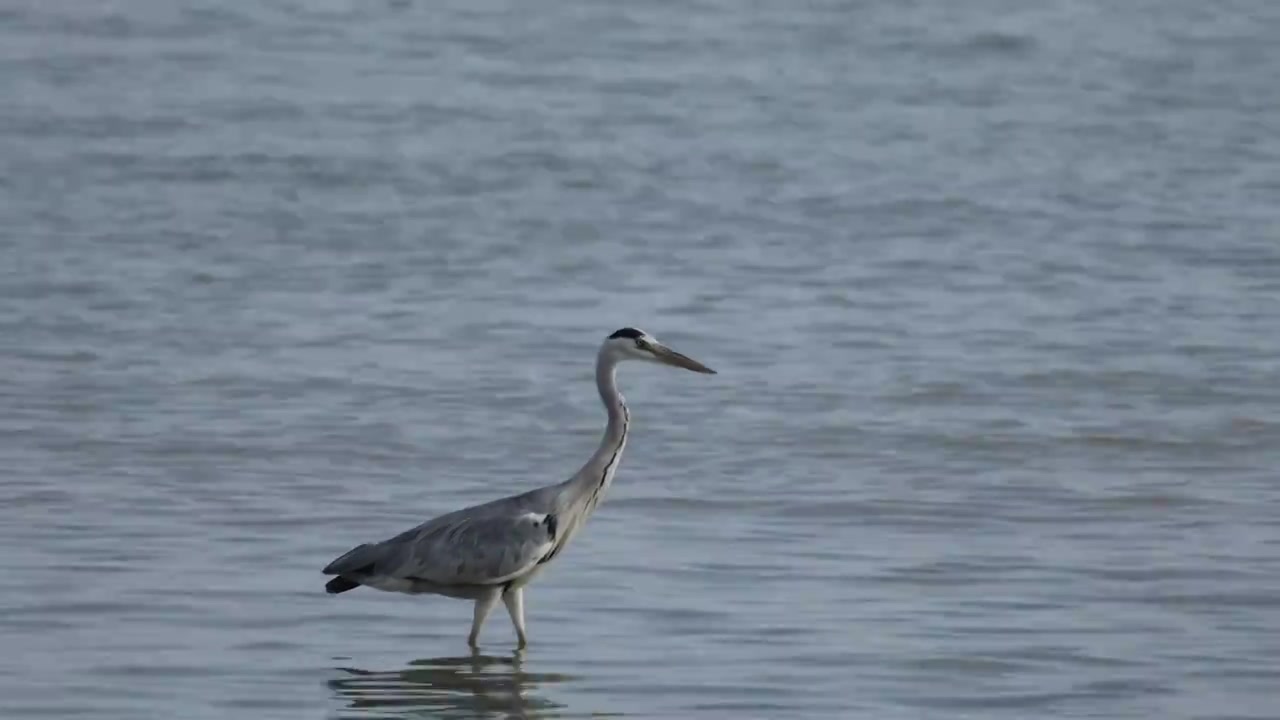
[559,542]
[604,476]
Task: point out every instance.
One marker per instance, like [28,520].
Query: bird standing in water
[491,551]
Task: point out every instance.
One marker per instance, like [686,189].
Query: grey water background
[992,287]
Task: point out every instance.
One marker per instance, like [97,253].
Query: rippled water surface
[992,288]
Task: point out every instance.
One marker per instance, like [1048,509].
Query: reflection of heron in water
[475,686]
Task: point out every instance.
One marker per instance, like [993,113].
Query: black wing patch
[553,527]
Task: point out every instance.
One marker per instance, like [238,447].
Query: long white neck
[586,488]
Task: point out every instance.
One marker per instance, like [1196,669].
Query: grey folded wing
[458,549]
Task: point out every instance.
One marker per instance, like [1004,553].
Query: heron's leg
[514,600]
[484,604]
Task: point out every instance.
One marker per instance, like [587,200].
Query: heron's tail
[340,585]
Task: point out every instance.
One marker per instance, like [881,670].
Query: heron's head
[632,344]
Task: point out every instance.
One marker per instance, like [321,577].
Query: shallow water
[993,292]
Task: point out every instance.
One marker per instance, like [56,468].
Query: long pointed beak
[668,356]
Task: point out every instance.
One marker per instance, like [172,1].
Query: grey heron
[491,551]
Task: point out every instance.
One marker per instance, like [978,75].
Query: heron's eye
[640,343]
